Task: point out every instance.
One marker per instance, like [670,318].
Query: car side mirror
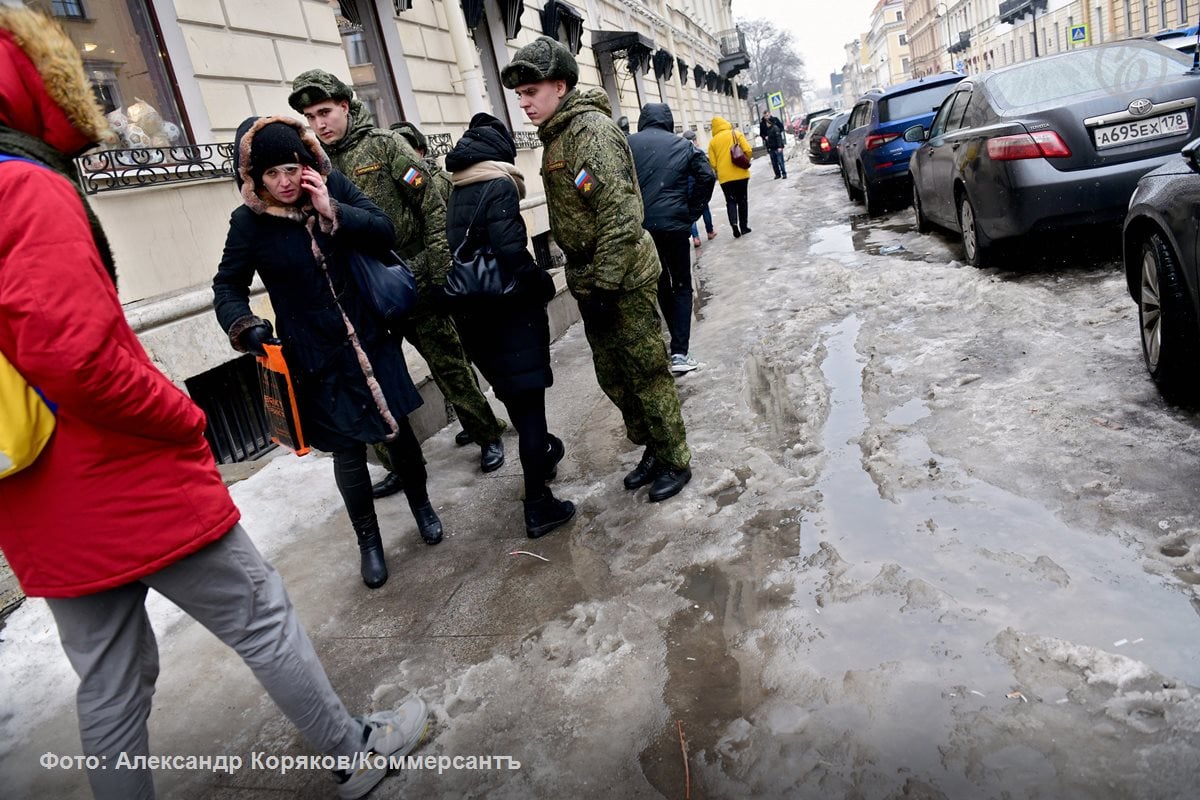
[915,134]
[844,129]
[1191,154]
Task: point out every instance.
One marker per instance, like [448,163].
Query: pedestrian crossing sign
[1078,34]
[775,99]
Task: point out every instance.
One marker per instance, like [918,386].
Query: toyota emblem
[1140,107]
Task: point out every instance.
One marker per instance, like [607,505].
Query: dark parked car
[823,138]
[1052,143]
[873,153]
[1160,243]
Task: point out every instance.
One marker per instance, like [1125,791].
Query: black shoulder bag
[478,273]
[388,284]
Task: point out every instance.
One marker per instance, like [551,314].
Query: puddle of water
[832,239]
[908,413]
[936,620]
[767,394]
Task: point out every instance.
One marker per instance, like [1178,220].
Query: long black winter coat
[346,393]
[664,162]
[508,338]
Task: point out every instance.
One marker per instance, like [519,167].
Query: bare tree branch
[775,65]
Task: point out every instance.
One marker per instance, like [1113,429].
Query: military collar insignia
[414,178]
[368,169]
[586,182]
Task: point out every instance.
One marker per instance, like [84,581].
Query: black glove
[254,337]
[601,309]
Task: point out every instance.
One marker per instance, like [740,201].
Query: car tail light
[880,139]
[824,145]
[1043,144]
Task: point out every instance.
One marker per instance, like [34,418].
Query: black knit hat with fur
[277,143]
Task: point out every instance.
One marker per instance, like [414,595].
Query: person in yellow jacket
[734,180]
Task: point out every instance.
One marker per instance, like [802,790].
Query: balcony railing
[732,42]
[110,170]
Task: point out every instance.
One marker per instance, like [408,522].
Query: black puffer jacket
[508,337]
[341,402]
[664,162]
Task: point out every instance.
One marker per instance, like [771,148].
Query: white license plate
[1142,130]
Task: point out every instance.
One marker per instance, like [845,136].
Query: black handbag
[478,273]
[389,286]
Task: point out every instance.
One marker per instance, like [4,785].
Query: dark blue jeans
[777,163]
[675,286]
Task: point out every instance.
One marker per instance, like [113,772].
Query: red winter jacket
[127,484]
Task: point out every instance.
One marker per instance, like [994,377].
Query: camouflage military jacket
[593,197]
[387,170]
[441,179]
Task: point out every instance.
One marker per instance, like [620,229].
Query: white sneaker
[681,363]
[392,733]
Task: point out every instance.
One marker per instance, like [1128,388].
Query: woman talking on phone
[352,387]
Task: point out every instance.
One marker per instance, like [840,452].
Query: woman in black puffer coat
[507,337]
[352,386]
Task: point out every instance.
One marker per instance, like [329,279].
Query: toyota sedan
[1053,143]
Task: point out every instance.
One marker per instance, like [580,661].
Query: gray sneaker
[681,363]
[391,733]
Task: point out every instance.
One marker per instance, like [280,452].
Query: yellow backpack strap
[26,420]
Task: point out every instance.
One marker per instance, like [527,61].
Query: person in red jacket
[126,496]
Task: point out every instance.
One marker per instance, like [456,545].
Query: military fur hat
[316,85]
[544,59]
[411,135]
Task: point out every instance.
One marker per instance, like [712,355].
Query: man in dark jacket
[387,170]
[676,182]
[773,138]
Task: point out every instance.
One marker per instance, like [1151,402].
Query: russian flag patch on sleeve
[414,177]
[586,182]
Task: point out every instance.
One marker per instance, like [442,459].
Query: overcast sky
[821,28]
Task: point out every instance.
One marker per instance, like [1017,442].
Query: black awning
[613,41]
[698,76]
[512,10]
[743,93]
[683,71]
[555,15]
[637,58]
[472,13]
[664,65]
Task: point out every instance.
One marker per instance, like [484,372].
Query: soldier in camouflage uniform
[384,166]
[420,145]
[612,267]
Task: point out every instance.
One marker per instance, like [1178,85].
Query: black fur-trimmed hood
[255,197]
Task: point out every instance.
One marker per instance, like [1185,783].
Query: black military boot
[644,472]
[374,567]
[428,524]
[668,483]
[491,456]
[546,513]
[462,438]
[555,450]
[388,486]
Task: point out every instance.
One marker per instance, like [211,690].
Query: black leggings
[354,482]
[527,410]
[737,204]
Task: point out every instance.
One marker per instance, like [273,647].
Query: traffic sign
[1079,34]
[776,99]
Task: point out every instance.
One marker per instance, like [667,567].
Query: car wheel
[1166,321]
[923,225]
[871,195]
[975,243]
[852,193]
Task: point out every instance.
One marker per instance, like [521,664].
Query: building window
[1145,16]
[129,70]
[370,70]
[1128,17]
[903,40]
[71,9]
[1183,15]
[1162,14]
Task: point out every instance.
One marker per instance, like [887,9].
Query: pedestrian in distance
[734,180]
[297,221]
[676,183]
[386,169]
[774,138]
[507,336]
[690,135]
[612,268]
[125,496]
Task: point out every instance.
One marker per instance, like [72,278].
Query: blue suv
[872,154]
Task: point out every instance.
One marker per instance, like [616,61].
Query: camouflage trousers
[633,370]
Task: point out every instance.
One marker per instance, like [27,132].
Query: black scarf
[16,143]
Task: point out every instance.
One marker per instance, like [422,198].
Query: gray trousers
[228,588]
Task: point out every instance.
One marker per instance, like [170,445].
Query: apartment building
[178,76]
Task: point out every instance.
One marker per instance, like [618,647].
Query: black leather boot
[388,486]
[644,472]
[428,524]
[555,450]
[491,456]
[668,483]
[546,513]
[374,567]
[462,438]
